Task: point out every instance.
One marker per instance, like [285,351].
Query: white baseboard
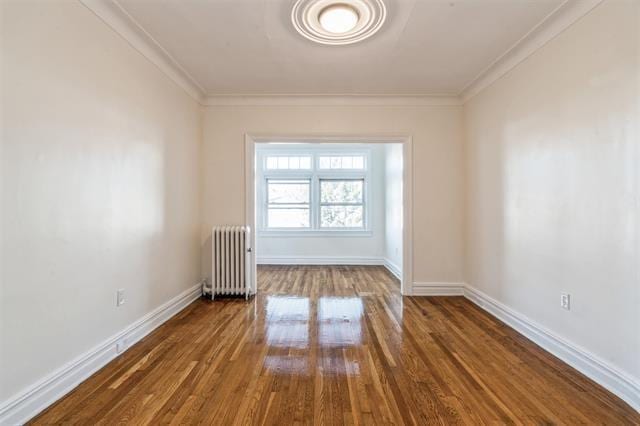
[393,268]
[24,406]
[319,260]
[438,289]
[330,260]
[600,371]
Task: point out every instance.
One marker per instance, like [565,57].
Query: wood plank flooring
[336,345]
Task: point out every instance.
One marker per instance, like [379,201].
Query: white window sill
[315,233]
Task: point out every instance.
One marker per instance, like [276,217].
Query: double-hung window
[342,203]
[288,203]
[313,190]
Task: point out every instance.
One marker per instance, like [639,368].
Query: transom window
[347,162]
[286,162]
[314,190]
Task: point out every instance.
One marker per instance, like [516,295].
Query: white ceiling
[250,46]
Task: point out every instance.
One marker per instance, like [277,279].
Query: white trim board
[115,17]
[24,406]
[438,289]
[331,260]
[597,369]
[617,382]
[332,100]
[565,15]
[393,268]
[319,260]
[407,189]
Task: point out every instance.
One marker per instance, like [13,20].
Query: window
[288,203]
[345,162]
[285,162]
[313,189]
[341,203]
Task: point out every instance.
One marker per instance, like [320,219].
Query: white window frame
[315,174]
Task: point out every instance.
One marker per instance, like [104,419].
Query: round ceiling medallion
[338,22]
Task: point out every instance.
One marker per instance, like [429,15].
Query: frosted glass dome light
[338,22]
[338,18]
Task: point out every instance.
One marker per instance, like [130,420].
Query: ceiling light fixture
[338,18]
[337,22]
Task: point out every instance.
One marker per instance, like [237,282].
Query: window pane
[350,162]
[305,162]
[341,217]
[288,191]
[358,162]
[288,217]
[283,162]
[272,162]
[325,162]
[341,191]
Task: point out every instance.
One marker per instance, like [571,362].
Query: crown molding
[553,25]
[332,100]
[128,28]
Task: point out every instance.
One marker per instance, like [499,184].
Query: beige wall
[553,183]
[437,162]
[100,187]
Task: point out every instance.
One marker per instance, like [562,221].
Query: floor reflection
[339,321]
[287,308]
[338,366]
[294,335]
[295,323]
[340,309]
[287,364]
[287,322]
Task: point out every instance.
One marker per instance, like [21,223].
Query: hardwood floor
[336,345]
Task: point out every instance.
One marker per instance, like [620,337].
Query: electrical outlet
[121,345]
[565,301]
[120,297]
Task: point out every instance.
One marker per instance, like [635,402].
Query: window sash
[278,208]
[288,181]
[275,205]
[360,203]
